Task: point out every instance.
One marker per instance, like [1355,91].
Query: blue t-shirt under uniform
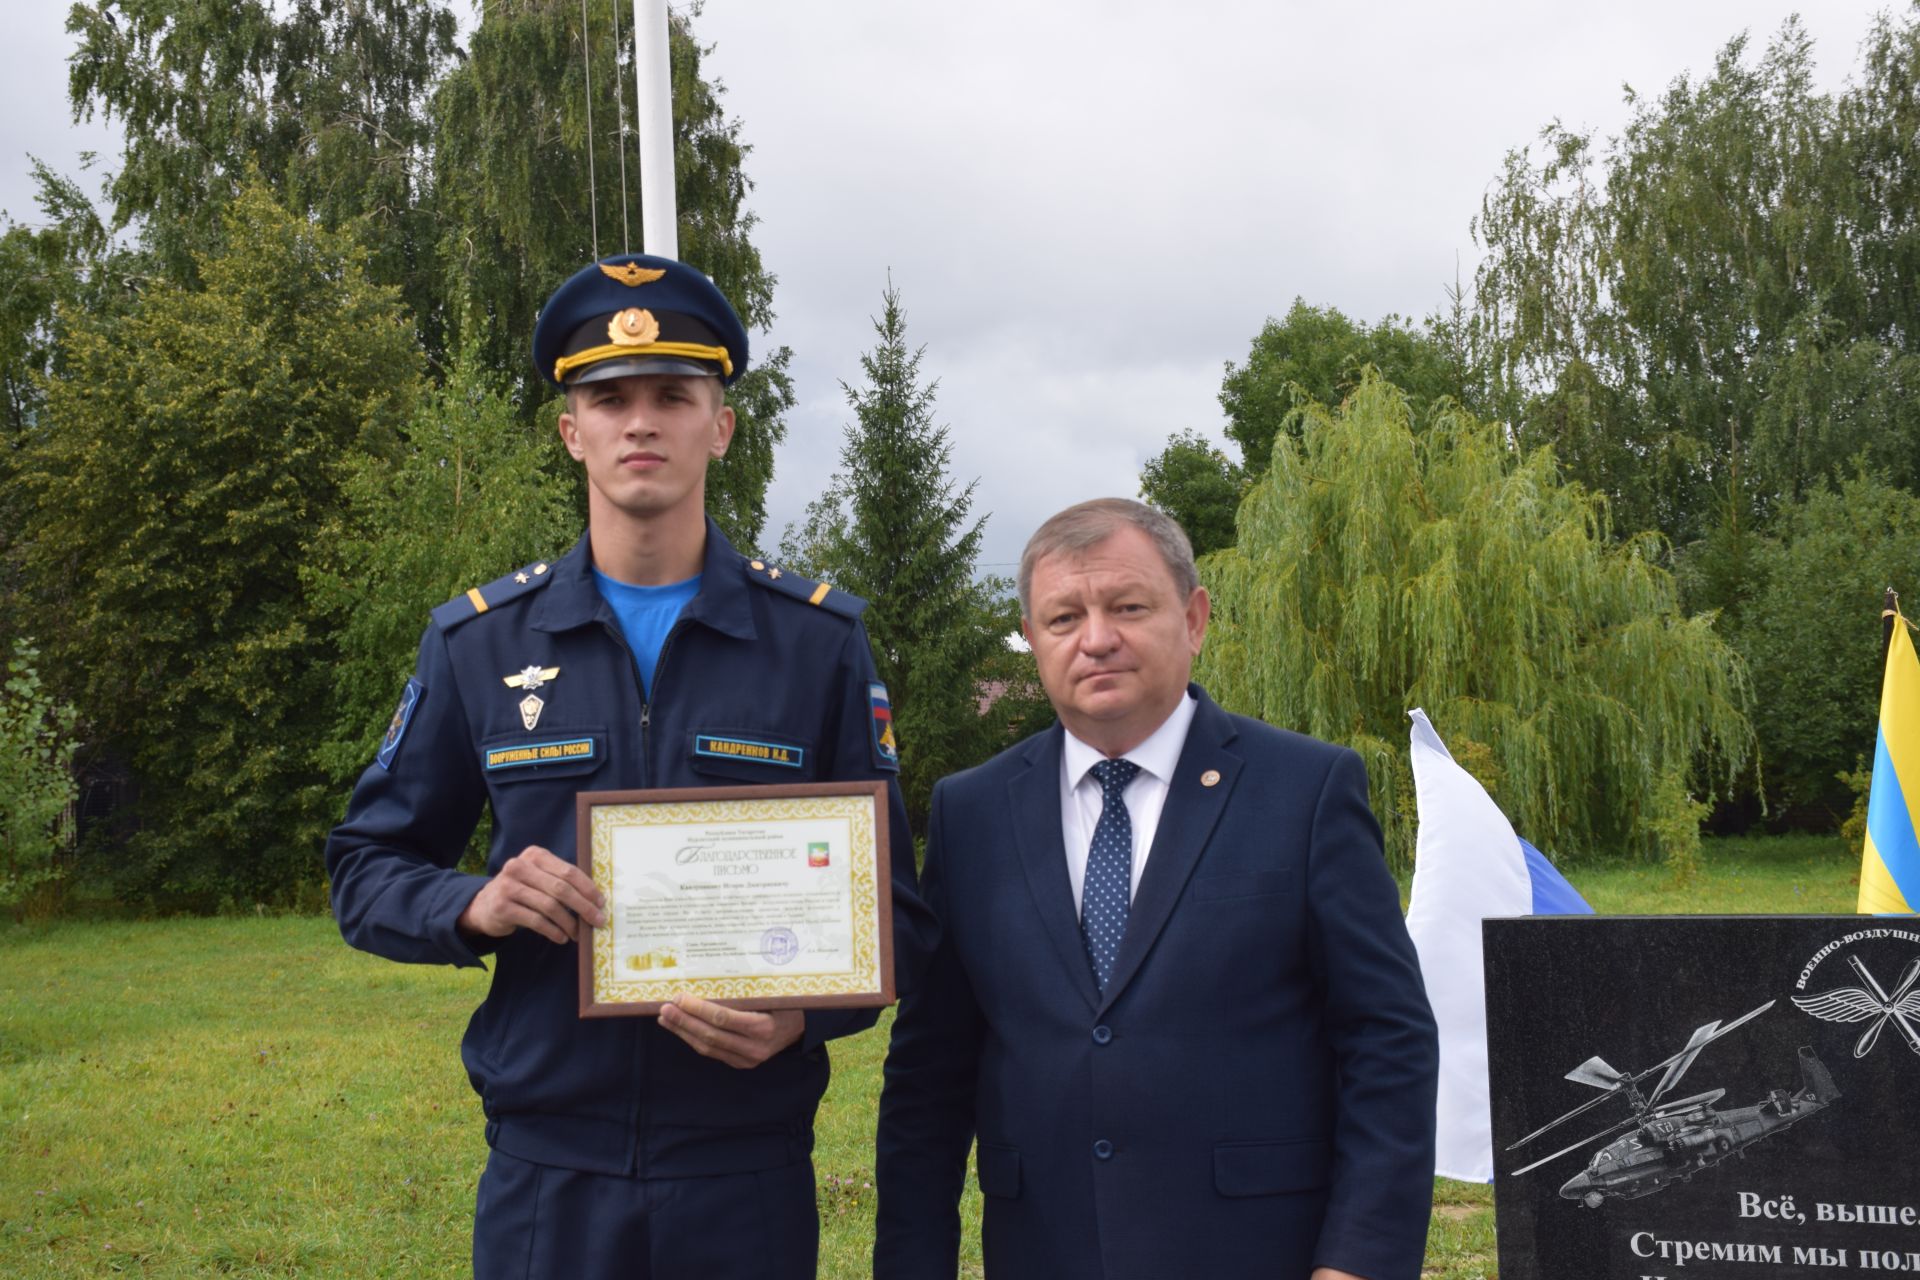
[646,615]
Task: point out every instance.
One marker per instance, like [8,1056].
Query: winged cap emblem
[632,273]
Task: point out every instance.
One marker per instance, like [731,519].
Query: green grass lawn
[249,1097]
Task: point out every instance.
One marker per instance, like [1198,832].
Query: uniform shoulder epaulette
[478,600]
[830,598]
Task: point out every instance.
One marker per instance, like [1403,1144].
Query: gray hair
[1084,526]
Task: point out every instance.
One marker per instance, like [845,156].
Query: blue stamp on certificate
[779,945]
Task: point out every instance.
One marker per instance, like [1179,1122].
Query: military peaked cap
[632,314]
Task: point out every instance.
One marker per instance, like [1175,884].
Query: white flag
[1468,866]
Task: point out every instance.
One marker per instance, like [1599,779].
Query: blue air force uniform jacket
[756,657]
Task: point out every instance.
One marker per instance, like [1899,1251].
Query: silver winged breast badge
[530,678]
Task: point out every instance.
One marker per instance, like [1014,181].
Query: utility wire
[620,100]
[586,60]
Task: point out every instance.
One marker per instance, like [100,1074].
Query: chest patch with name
[520,755]
[759,752]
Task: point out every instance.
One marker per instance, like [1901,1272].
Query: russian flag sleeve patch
[886,751]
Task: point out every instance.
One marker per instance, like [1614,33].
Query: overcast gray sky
[1091,205]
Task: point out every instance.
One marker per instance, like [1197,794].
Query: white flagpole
[659,232]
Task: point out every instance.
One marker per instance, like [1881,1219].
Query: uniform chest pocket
[751,755]
[559,753]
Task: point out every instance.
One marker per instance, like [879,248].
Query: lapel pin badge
[530,678]
[1211,778]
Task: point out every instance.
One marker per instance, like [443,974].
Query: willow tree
[1378,569]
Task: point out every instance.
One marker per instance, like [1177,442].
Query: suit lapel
[1034,802]
[1187,821]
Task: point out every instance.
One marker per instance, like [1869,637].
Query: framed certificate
[770,897]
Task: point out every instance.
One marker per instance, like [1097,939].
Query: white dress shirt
[1146,795]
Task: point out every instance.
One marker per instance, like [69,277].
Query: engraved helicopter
[1671,1141]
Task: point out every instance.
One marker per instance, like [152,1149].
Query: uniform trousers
[538,1222]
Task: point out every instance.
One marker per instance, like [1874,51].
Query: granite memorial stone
[1705,1097]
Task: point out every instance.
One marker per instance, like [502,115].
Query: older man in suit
[1174,997]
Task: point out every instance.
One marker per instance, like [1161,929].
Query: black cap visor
[639,366]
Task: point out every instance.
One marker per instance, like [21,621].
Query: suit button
[1103,1150]
[1102,1034]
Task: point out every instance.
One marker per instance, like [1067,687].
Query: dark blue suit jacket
[1253,1094]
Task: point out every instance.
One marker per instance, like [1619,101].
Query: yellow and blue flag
[1890,869]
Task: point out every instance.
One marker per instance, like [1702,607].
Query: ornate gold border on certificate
[864,974]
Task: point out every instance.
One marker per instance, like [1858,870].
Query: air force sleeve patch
[886,751]
[402,717]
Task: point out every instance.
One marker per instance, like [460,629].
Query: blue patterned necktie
[1109,880]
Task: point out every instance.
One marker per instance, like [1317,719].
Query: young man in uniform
[628,1147]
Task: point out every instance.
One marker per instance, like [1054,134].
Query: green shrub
[37,789]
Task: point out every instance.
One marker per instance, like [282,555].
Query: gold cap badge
[632,273]
[633,328]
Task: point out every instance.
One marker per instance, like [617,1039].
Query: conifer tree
[893,528]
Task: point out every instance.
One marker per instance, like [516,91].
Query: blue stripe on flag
[1552,895]
[1890,823]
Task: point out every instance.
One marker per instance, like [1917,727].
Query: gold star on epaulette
[774,574]
[521,577]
